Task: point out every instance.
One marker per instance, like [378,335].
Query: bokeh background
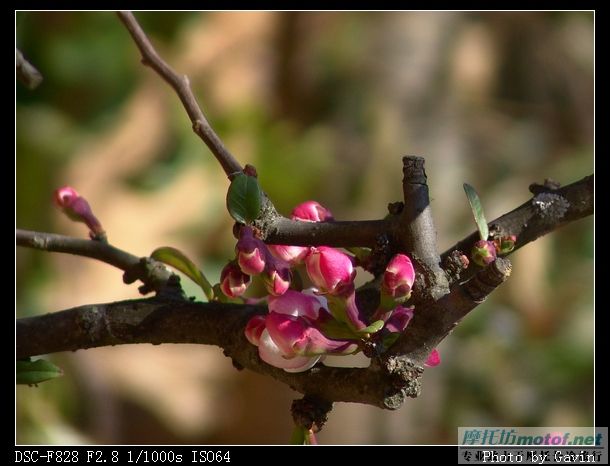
[324,105]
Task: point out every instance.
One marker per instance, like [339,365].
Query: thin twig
[155,276]
[26,72]
[181,85]
[545,212]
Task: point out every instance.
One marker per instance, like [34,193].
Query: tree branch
[154,275]
[276,229]
[182,86]
[158,321]
[385,384]
[548,210]
[389,380]
[392,376]
[26,72]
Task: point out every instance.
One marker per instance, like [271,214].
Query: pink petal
[295,304]
[434,359]
[294,255]
[399,319]
[254,329]
[311,211]
[271,354]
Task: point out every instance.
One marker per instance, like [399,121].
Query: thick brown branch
[153,274]
[338,234]
[181,85]
[168,321]
[415,232]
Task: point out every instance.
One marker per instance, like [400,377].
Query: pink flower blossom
[329,269]
[296,335]
[289,337]
[269,352]
[399,277]
[294,303]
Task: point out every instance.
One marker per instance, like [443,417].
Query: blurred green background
[324,105]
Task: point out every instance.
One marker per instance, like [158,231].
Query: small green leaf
[477,210]
[298,436]
[337,330]
[244,198]
[33,372]
[175,258]
[373,328]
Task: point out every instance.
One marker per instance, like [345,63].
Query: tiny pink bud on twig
[483,253]
[78,209]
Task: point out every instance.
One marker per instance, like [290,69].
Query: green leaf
[32,372]
[373,328]
[337,330]
[298,436]
[175,258]
[244,198]
[477,211]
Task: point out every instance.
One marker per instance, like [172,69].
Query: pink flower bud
[329,269]
[273,355]
[311,211]
[505,244]
[233,282]
[78,209]
[250,252]
[483,253]
[399,277]
[434,359]
[344,308]
[293,255]
[298,336]
[399,319]
[254,329]
[277,282]
[294,303]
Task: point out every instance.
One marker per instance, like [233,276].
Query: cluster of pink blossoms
[302,327]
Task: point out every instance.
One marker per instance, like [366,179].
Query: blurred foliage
[324,105]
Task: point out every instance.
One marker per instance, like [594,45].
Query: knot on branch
[156,277]
[454,264]
[487,280]
[550,206]
[548,185]
[311,412]
[405,381]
